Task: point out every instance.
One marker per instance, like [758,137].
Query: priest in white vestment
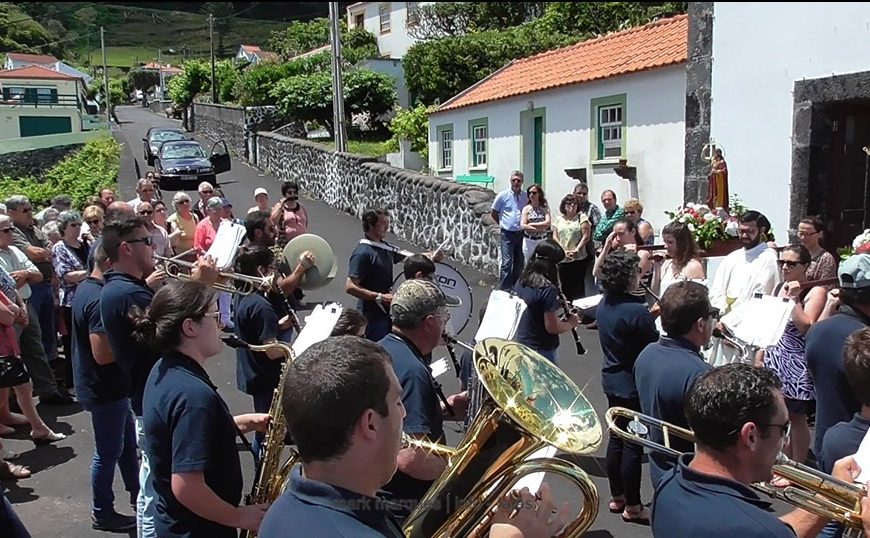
[752,269]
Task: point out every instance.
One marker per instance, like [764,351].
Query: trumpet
[811,490]
[227,281]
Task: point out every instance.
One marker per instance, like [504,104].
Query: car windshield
[181,151]
[165,136]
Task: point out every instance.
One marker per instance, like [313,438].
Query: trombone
[815,491]
[227,281]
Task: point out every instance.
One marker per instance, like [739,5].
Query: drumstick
[442,245]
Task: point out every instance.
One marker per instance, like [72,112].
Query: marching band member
[350,322]
[419,315]
[741,274]
[740,422]
[257,372]
[190,435]
[348,430]
[625,327]
[664,370]
[418,266]
[370,275]
[540,326]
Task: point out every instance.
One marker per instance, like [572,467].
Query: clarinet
[567,311]
[294,319]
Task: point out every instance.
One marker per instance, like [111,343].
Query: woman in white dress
[682,262]
[534,220]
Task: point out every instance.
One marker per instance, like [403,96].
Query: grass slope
[137,33]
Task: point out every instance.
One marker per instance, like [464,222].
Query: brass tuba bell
[530,403]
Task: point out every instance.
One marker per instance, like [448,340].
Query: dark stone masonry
[34,162]
[425,210]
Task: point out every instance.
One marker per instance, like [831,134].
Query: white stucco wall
[759,51]
[655,138]
[396,42]
[393,68]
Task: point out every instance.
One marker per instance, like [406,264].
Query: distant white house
[389,21]
[254,54]
[790,107]
[577,112]
[15,60]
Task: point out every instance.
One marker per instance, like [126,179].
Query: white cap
[260,190]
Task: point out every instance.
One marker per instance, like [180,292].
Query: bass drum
[452,283]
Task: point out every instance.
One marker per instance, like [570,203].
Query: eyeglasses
[183,201]
[6,230]
[147,240]
[533,192]
[785,428]
[206,192]
[146,212]
[791,264]
[443,315]
[806,234]
[630,212]
[26,209]
[93,222]
[713,313]
[75,224]
[215,315]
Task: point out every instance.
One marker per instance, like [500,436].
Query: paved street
[56,500]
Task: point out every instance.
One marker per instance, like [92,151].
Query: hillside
[135,33]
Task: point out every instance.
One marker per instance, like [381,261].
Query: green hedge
[80,175]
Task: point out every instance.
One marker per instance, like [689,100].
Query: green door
[539,150]
[44,125]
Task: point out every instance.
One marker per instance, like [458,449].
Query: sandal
[46,439]
[6,454]
[616,506]
[13,471]
[641,517]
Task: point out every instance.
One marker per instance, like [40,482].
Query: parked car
[158,135]
[184,164]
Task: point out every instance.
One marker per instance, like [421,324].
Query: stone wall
[699,80]
[425,210]
[158,107]
[234,125]
[34,162]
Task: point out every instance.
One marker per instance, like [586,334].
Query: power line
[249,8]
[53,43]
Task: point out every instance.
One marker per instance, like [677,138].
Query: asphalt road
[55,501]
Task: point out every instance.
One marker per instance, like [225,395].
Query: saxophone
[270,476]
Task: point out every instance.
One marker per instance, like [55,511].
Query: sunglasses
[788,263]
[147,240]
[146,212]
[184,201]
[75,224]
[785,428]
[713,313]
[206,192]
[93,222]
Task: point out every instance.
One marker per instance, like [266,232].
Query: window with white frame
[447,148]
[412,17]
[384,16]
[610,131]
[478,145]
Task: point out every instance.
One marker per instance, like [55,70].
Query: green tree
[194,80]
[308,97]
[453,19]
[223,22]
[300,37]
[142,79]
[25,35]
[118,94]
[412,124]
[228,76]
[591,19]
[256,82]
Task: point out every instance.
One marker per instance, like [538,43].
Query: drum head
[453,283]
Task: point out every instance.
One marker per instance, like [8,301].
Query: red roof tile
[37,72]
[250,48]
[656,44]
[41,59]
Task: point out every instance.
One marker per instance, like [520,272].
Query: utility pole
[339,123]
[160,73]
[214,95]
[105,78]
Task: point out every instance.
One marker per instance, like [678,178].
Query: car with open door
[183,164]
[158,135]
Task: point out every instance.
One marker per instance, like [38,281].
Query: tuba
[529,403]
[270,476]
[811,490]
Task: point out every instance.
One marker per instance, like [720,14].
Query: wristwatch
[379,298]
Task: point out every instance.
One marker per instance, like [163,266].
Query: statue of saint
[717,182]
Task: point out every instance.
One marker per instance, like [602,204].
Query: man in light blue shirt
[506,210]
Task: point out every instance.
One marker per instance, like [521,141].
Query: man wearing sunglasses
[665,370]
[740,421]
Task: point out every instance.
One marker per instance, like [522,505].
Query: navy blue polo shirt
[532,331]
[94,383]
[625,328]
[689,503]
[312,508]
[422,408]
[373,267]
[835,401]
[255,323]
[121,292]
[188,428]
[663,373]
[842,440]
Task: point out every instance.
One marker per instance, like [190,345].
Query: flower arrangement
[860,245]
[705,225]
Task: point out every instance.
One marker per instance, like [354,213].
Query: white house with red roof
[14,60]
[36,100]
[254,54]
[577,112]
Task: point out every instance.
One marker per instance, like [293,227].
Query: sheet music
[226,244]
[318,326]
[587,302]
[760,321]
[503,314]
[862,458]
[439,367]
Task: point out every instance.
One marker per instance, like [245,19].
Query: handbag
[12,372]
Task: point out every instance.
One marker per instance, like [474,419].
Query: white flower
[691,227]
[731,228]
